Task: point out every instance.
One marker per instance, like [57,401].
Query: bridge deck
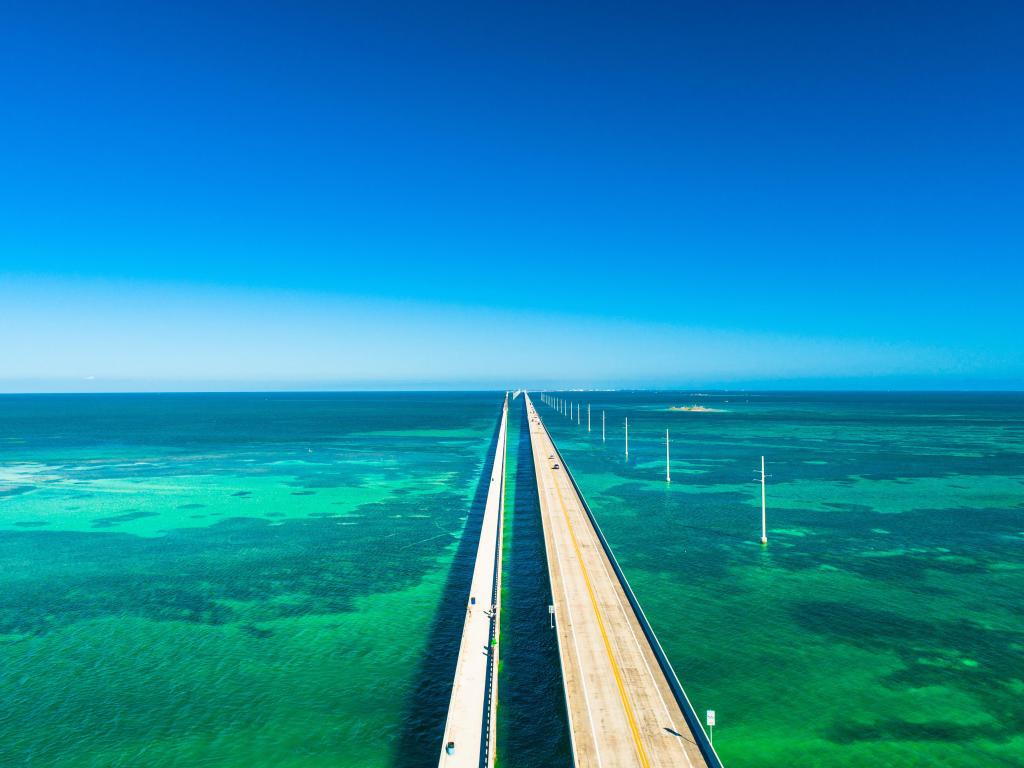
[470,725]
[621,708]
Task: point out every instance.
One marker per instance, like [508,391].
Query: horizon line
[489,390]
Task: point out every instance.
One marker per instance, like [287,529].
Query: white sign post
[711,725]
[551,615]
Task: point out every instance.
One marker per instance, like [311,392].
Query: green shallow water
[278,580]
[231,580]
[883,623]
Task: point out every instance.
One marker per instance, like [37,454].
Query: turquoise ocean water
[277,580]
[233,580]
[883,624]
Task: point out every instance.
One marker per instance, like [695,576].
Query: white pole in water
[602,426]
[588,417]
[577,414]
[668,474]
[764,529]
[627,437]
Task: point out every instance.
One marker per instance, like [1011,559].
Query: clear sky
[354,194]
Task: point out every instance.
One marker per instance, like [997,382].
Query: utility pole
[668,473]
[764,527]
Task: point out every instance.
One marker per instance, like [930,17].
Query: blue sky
[362,194]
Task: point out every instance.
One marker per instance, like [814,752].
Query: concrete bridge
[625,704]
[470,729]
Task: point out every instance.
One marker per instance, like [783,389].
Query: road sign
[711,717]
[551,615]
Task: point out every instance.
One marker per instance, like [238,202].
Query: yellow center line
[604,633]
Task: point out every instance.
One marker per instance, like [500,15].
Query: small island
[696,408]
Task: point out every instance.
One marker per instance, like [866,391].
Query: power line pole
[668,473]
[764,526]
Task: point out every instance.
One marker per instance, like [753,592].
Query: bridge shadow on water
[533,728]
[422,728]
